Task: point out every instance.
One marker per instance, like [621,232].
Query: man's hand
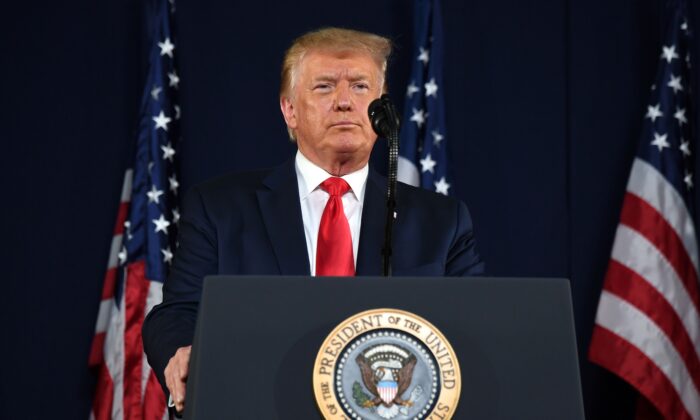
[176,376]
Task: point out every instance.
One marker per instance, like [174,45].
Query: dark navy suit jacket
[251,224]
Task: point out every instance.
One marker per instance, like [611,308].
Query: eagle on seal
[401,378]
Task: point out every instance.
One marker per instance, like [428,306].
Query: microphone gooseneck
[385,122]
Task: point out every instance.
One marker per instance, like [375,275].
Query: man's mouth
[344,124]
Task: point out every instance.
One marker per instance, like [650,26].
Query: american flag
[422,149]
[647,329]
[142,245]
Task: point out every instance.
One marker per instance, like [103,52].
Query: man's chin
[348,142]
[351,151]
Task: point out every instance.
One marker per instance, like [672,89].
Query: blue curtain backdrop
[544,108]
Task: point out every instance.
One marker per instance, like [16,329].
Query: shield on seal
[387,391]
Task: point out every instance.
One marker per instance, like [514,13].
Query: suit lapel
[281,213]
[369,253]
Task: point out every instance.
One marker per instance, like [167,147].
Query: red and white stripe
[387,393]
[647,327]
[126,386]
[107,302]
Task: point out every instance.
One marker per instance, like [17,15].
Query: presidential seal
[386,364]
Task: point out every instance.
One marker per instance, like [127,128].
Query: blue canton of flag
[154,215]
[422,150]
[667,125]
[143,242]
[647,328]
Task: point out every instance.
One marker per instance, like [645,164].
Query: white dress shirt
[313,201]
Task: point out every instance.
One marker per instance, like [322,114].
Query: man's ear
[288,112]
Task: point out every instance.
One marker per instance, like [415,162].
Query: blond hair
[335,40]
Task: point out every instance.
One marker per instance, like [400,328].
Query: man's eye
[361,86]
[322,87]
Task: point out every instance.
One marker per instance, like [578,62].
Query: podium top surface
[258,336]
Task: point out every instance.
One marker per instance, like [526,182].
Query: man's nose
[343,99]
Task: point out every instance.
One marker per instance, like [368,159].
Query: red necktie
[334,246]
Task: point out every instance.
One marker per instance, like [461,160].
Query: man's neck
[311,175]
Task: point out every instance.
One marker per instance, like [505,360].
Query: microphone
[385,122]
[383,116]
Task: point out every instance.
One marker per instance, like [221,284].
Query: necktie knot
[335,186]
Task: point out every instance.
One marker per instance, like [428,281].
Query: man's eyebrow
[332,77]
[325,77]
[359,77]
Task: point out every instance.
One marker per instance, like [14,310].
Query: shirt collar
[310,176]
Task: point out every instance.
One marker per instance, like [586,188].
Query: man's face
[328,109]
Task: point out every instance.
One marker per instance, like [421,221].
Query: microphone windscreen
[378,117]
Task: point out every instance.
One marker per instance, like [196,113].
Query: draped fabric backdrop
[544,103]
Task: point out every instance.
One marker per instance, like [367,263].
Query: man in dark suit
[319,214]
